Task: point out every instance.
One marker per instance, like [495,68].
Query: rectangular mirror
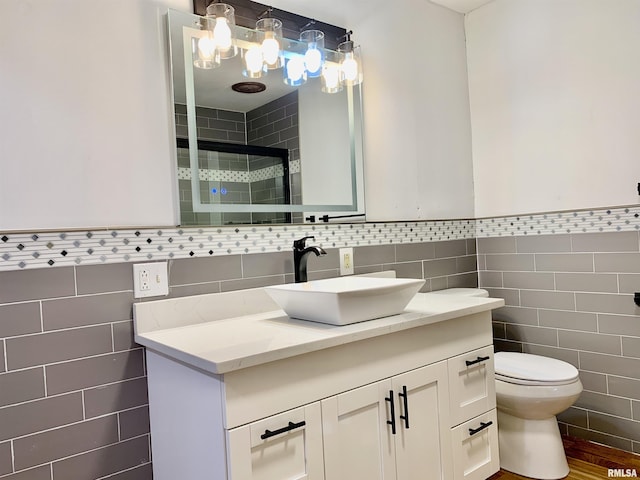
[281,155]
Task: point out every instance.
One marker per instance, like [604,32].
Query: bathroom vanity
[240,391]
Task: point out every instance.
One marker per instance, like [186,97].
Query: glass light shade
[271,34]
[351,64]
[331,78]
[222,21]
[314,56]
[295,73]
[253,63]
[205,55]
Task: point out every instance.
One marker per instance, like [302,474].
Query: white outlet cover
[346,269]
[158,279]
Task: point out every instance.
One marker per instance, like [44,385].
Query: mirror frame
[355,148]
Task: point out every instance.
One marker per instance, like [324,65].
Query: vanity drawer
[475,448]
[286,445]
[472,388]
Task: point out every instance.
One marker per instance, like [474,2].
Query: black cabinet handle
[288,428]
[483,425]
[477,360]
[405,417]
[391,422]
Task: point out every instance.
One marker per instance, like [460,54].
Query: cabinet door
[287,446]
[475,448]
[423,439]
[472,387]
[358,441]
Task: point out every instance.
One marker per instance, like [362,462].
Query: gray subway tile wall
[58,372]
[64,442]
[5,458]
[73,392]
[27,285]
[570,296]
[105,461]
[21,386]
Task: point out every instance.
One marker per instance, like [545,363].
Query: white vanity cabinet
[472,396]
[393,429]
[403,397]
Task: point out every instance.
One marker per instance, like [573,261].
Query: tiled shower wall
[220,126]
[274,124]
[73,395]
[570,296]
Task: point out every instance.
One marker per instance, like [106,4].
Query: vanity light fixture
[264,49]
[314,55]
[218,42]
[300,66]
[351,65]
[267,53]
[270,30]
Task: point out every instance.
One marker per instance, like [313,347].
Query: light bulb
[331,79]
[295,69]
[313,60]
[253,59]
[206,48]
[270,51]
[350,68]
[222,34]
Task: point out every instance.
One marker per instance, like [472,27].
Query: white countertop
[218,344]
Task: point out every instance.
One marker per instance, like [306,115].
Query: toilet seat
[527,369]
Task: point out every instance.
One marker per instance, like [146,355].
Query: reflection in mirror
[315,168]
[240,174]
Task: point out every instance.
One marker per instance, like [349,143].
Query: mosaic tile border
[615,219]
[85,247]
[208,175]
[51,249]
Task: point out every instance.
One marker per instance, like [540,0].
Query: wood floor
[587,461]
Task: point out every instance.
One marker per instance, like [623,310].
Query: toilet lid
[527,369]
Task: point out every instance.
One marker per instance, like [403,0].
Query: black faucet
[300,254]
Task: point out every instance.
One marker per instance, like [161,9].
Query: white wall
[417,130]
[85,127]
[84,124]
[555,101]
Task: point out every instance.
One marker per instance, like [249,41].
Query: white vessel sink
[345,300]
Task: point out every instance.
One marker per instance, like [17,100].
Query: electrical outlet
[144,279]
[346,261]
[150,279]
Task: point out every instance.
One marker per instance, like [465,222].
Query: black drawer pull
[473,431]
[288,428]
[477,360]
[405,417]
[391,422]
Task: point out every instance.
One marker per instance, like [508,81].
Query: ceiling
[462,6]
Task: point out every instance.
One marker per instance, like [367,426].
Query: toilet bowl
[530,391]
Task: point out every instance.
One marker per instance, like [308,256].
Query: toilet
[530,391]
